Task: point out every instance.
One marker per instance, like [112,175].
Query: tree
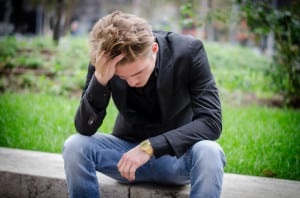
[61,8]
[284,22]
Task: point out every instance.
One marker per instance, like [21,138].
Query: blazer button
[91,120]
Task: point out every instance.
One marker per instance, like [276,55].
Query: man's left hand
[131,161]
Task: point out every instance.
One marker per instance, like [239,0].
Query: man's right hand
[105,68]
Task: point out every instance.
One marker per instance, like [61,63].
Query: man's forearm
[92,108]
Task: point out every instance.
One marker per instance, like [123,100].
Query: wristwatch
[146,146]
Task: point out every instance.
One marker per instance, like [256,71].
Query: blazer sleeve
[206,122]
[92,108]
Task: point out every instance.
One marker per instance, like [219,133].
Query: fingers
[105,68]
[132,171]
[127,169]
[131,161]
[99,56]
[117,59]
[104,59]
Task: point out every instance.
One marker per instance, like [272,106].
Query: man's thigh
[108,151]
[165,170]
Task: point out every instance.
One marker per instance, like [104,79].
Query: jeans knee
[75,145]
[209,152]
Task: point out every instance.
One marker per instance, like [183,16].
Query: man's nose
[132,82]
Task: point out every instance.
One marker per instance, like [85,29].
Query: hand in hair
[105,67]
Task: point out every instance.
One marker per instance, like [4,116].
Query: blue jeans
[201,166]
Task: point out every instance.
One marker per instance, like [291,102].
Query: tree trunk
[39,20]
[57,26]
[233,23]
[210,27]
[270,45]
[207,30]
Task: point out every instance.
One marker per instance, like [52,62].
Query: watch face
[146,146]
[144,143]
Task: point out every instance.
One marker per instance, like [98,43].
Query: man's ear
[155,47]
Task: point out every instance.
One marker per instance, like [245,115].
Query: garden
[40,89]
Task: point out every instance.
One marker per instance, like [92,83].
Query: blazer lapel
[165,80]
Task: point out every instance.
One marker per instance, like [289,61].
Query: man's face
[137,73]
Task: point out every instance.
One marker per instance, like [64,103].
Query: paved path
[37,174]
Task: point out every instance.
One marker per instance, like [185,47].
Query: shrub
[285,24]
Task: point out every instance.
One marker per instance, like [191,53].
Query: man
[169,112]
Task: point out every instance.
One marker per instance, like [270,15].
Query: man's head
[121,33]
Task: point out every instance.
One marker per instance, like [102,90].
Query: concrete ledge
[38,174]
[26,174]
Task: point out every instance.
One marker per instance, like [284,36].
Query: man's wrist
[100,79]
[146,147]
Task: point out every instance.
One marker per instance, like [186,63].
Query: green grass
[40,122]
[35,121]
[257,140]
[262,141]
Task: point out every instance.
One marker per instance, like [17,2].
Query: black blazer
[187,94]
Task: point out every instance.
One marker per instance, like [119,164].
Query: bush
[285,24]
[36,64]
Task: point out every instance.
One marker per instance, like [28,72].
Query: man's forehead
[131,69]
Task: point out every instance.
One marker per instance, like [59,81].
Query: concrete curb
[38,174]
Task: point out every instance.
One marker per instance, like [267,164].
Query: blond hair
[120,33]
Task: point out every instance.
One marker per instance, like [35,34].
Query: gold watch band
[146,146]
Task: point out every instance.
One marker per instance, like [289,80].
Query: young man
[169,112]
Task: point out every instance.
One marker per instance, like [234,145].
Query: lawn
[262,141]
[37,106]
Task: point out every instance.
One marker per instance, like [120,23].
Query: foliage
[38,65]
[237,68]
[190,17]
[187,16]
[61,69]
[29,52]
[8,47]
[285,24]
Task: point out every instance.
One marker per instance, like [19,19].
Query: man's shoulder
[173,35]
[177,42]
